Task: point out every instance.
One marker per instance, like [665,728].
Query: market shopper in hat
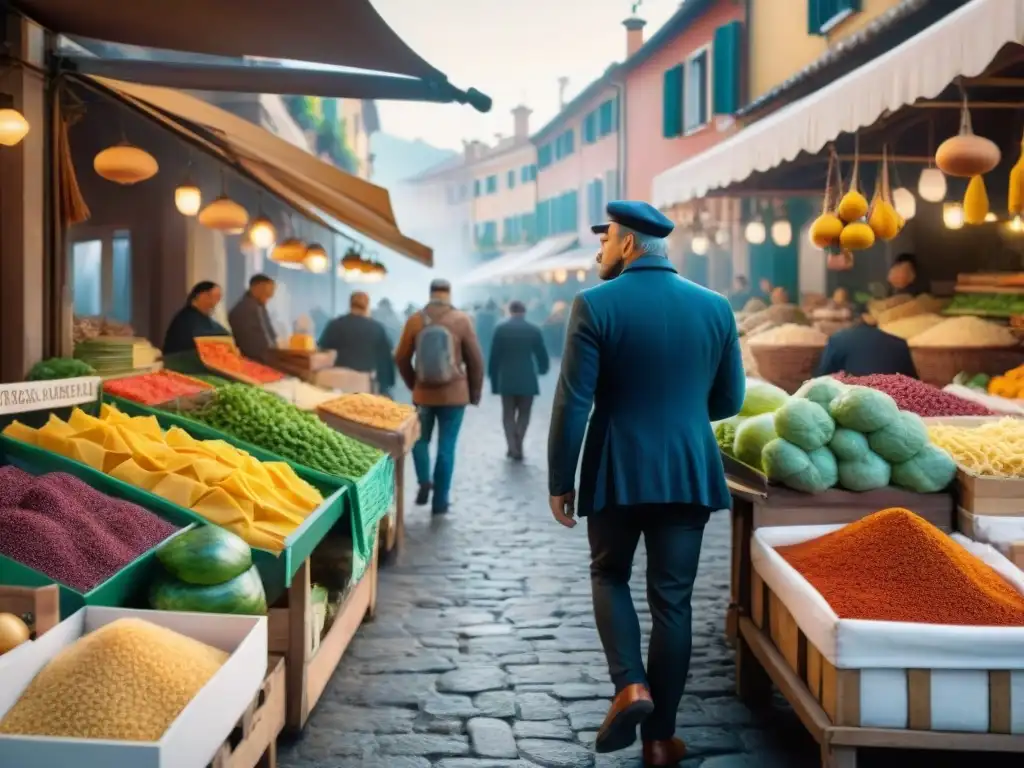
[657,358]
[439,359]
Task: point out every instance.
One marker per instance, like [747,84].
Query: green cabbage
[752,436]
[804,423]
[790,465]
[725,433]
[822,390]
[864,409]
[930,471]
[868,473]
[848,445]
[762,397]
[901,440]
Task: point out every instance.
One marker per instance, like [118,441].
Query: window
[511,179]
[695,96]
[527,226]
[543,219]
[611,186]
[607,113]
[595,202]
[510,230]
[463,191]
[101,276]
[565,144]
[487,234]
[492,184]
[528,173]
[476,188]
[590,128]
[825,15]
[544,156]
[726,70]
[672,102]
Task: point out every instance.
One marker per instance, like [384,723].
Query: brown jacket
[464,390]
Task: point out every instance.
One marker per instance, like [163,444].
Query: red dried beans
[61,527]
[916,396]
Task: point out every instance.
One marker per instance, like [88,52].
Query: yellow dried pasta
[995,449]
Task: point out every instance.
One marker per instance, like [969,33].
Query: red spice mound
[916,396]
[63,528]
[155,388]
[896,566]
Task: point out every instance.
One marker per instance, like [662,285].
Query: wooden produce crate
[38,607]
[990,495]
[308,664]
[253,744]
[840,707]
[225,373]
[301,363]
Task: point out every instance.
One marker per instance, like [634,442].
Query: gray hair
[647,245]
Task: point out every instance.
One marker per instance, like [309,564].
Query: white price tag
[25,396]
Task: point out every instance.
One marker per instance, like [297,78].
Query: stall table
[38,607]
[300,363]
[253,744]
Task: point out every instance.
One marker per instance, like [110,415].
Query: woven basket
[939,365]
[786,367]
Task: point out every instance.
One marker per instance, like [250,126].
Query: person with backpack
[439,359]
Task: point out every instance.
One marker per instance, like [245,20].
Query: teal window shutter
[598,201]
[727,68]
[511,179]
[672,102]
[821,13]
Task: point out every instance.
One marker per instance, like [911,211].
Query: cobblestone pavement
[484,652]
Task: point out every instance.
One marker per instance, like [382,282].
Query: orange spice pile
[895,566]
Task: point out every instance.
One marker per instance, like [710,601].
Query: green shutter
[726,72]
[672,103]
[813,17]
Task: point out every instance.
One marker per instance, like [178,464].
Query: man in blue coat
[657,357]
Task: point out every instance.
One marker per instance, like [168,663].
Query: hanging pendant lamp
[290,253]
[188,198]
[13,127]
[316,259]
[125,164]
[224,214]
[261,229]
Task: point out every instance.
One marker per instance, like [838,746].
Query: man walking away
[440,360]
[658,358]
[361,343]
[250,322]
[518,355]
[487,318]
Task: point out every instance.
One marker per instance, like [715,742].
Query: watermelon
[242,595]
[206,556]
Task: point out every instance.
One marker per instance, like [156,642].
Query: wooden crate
[301,363]
[1016,554]
[38,607]
[771,648]
[253,743]
[990,495]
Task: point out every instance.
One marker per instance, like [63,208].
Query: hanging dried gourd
[976,201]
[856,234]
[839,260]
[882,216]
[1015,193]
[966,155]
[825,229]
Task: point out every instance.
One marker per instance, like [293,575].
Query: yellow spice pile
[372,410]
[127,681]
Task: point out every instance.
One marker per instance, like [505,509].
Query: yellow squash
[826,229]
[976,201]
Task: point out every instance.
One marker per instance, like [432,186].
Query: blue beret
[637,215]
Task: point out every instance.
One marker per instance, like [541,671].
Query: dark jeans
[672,536]
[449,421]
[515,416]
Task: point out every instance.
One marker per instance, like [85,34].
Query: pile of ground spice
[896,566]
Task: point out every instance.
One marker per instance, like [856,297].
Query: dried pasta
[995,449]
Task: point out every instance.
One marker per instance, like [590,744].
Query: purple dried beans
[916,396]
[79,537]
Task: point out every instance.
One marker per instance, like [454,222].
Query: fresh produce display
[909,327]
[155,388]
[1010,384]
[752,435]
[261,418]
[725,434]
[822,390]
[965,332]
[918,305]
[61,527]
[372,410]
[995,449]
[916,396]
[896,566]
[986,304]
[59,368]
[790,335]
[13,632]
[224,356]
[811,472]
[762,397]
[975,381]
[214,381]
[112,355]
[126,681]
[777,314]
[85,328]
[241,595]
[805,424]
[300,394]
[263,502]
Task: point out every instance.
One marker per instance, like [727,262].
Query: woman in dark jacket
[195,319]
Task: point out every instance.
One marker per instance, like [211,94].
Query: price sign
[25,396]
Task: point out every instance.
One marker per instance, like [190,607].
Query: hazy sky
[512,50]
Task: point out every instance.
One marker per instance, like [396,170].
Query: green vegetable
[804,423]
[751,438]
[864,409]
[790,465]
[206,555]
[868,473]
[725,433]
[980,382]
[263,419]
[930,471]
[214,381]
[242,595]
[59,368]
[762,397]
[848,445]
[901,440]
[822,390]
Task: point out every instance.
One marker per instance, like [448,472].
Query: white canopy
[571,261]
[962,43]
[502,266]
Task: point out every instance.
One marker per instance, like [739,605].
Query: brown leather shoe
[659,754]
[630,707]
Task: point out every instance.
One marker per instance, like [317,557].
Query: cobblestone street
[484,652]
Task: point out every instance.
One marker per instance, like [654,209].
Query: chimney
[521,121]
[634,34]
[563,85]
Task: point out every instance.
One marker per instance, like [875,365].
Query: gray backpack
[435,355]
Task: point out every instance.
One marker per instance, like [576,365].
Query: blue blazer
[658,359]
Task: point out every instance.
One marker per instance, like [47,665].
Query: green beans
[265,420]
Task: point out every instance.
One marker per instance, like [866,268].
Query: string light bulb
[932,185]
[188,199]
[755,233]
[782,233]
[262,232]
[13,127]
[699,244]
[953,215]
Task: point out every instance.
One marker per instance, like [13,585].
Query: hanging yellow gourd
[825,229]
[1015,193]
[966,155]
[882,216]
[853,205]
[976,201]
[857,236]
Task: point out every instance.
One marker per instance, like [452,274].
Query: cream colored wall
[780,49]
[505,202]
[355,130]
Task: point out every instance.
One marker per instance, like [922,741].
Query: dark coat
[362,344]
[864,350]
[518,355]
[188,325]
[658,359]
[485,322]
[252,328]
